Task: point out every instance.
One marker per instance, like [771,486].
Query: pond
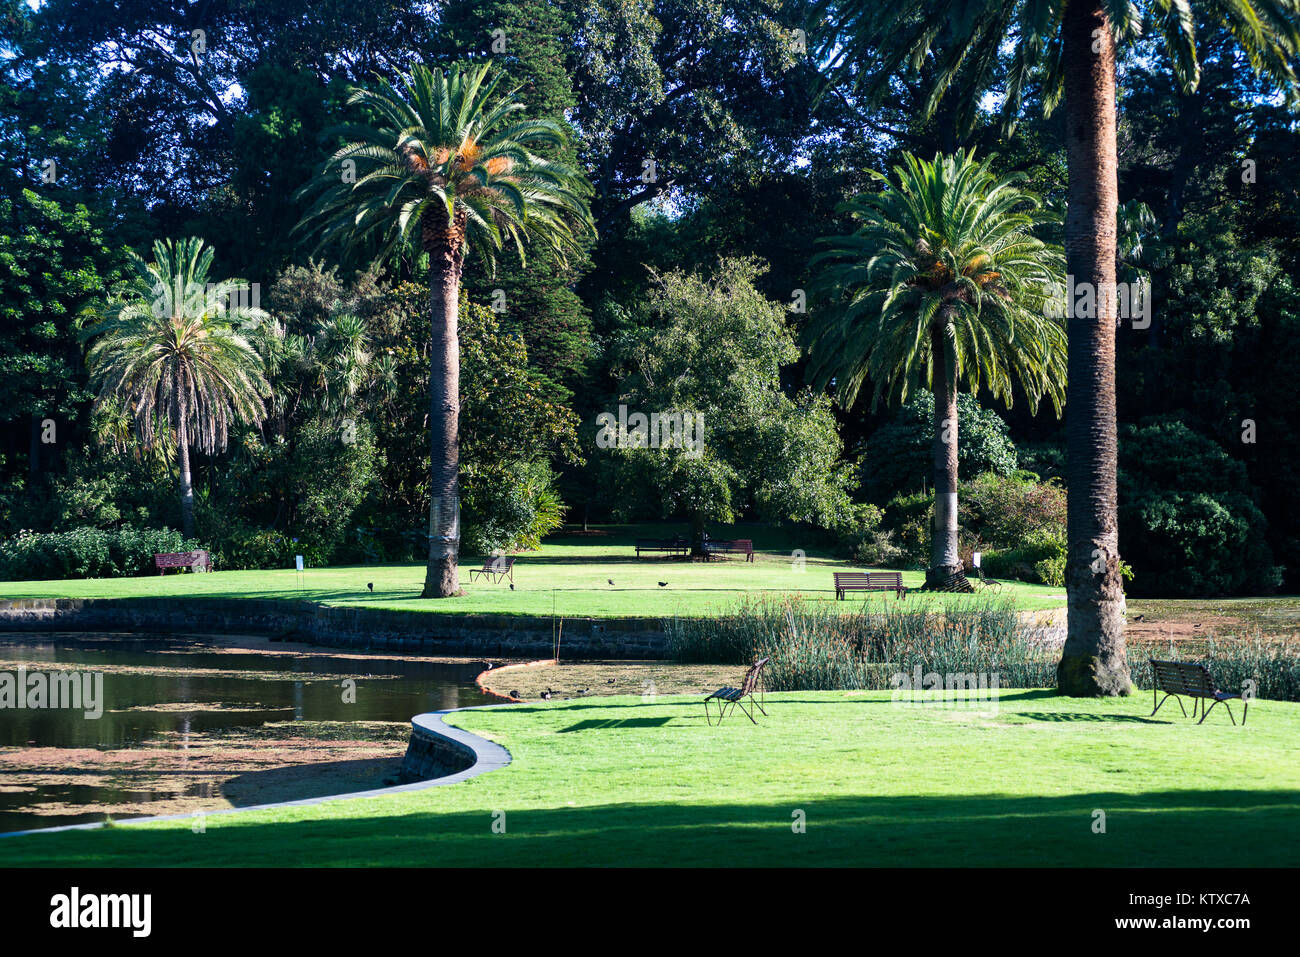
[198,722]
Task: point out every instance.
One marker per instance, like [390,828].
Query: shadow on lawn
[1158,828]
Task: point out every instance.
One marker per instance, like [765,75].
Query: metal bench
[496,568]
[192,560]
[729,698]
[670,546]
[1190,678]
[868,581]
[739,546]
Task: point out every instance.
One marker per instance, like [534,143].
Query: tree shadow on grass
[1175,828]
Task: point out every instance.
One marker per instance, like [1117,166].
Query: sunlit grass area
[1038,780]
[568,576]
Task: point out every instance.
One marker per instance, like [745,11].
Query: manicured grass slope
[570,576]
[617,781]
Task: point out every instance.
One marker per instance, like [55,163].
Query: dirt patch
[586,679]
[184,772]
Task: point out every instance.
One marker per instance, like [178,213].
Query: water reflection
[226,692]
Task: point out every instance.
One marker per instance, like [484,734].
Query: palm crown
[879,40]
[946,247]
[173,346]
[440,157]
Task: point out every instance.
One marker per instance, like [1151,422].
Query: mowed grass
[568,576]
[619,781]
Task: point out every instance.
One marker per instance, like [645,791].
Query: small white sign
[297,562]
[975,559]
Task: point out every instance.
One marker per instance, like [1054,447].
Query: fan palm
[442,166]
[172,348]
[1069,48]
[943,282]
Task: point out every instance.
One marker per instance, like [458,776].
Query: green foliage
[1189,520]
[54,266]
[1003,510]
[87,552]
[1038,557]
[867,540]
[909,519]
[714,346]
[510,509]
[441,156]
[945,253]
[898,457]
[814,649]
[295,497]
[173,345]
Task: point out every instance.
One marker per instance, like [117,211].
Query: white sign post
[297,563]
[975,559]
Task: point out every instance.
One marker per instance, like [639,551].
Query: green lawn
[569,576]
[622,782]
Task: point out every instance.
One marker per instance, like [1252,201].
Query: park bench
[192,560]
[671,546]
[496,568]
[989,584]
[1190,678]
[739,546]
[729,698]
[868,581]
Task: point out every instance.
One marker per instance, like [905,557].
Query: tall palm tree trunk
[187,485]
[944,559]
[445,245]
[1093,661]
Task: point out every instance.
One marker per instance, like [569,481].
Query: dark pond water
[144,672]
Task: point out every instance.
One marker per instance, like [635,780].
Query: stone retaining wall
[498,636]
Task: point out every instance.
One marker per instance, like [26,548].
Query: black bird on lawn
[663,584]
[370,585]
[610,580]
[514,694]
[512,586]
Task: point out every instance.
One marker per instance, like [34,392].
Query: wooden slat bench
[670,546]
[192,560]
[496,568]
[1190,678]
[738,546]
[868,581]
[729,698]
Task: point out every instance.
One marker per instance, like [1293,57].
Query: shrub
[1190,523]
[866,539]
[1003,511]
[87,553]
[812,647]
[511,508]
[1039,558]
[898,458]
[238,546]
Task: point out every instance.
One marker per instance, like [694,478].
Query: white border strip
[488,755]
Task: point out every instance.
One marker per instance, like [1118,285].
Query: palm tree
[440,162]
[173,349]
[1068,46]
[944,282]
